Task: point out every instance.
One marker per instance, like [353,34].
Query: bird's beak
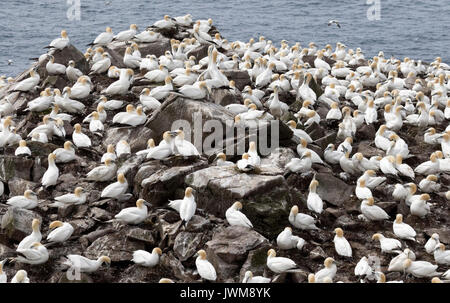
[174,133]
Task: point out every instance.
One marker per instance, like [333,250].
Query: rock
[265,197]
[100,214]
[315,131]
[317,254]
[175,267]
[366,132]
[141,235]
[325,140]
[136,137]
[368,151]
[234,242]
[15,167]
[241,78]
[186,244]
[347,223]
[198,223]
[333,190]
[130,167]
[256,262]
[115,246]
[225,97]
[280,157]
[18,186]
[16,223]
[157,187]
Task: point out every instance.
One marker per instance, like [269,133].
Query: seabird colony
[93,174]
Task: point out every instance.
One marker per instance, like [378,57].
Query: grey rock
[185,245]
[16,222]
[115,246]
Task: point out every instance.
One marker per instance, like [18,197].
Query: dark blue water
[417,29]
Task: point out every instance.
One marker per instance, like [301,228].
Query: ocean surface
[417,29]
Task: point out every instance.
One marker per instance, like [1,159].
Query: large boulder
[115,246]
[333,190]
[265,196]
[230,246]
[16,222]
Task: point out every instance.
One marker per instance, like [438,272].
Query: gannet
[29,83]
[403,230]
[420,207]
[187,206]
[133,215]
[396,264]
[363,268]
[117,189]
[109,105]
[148,101]
[331,155]
[235,217]
[301,221]
[432,242]
[285,240]
[50,176]
[244,164]
[279,264]
[60,43]
[329,271]
[42,102]
[27,201]
[221,160]
[388,245]
[54,68]
[132,117]
[61,232]
[66,154]
[78,197]
[147,36]
[164,148]
[250,278]
[205,269]
[302,148]
[146,259]
[441,256]
[127,35]
[81,89]
[341,244]
[198,90]
[102,65]
[82,264]
[431,137]
[150,146]
[104,38]
[157,75]
[371,180]
[314,202]
[22,149]
[361,191]
[371,211]
[121,86]
[184,147]
[299,133]
[130,60]
[387,166]
[104,172]
[21,276]
[80,139]
[35,254]
[162,92]
[202,37]
[96,125]
[420,269]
